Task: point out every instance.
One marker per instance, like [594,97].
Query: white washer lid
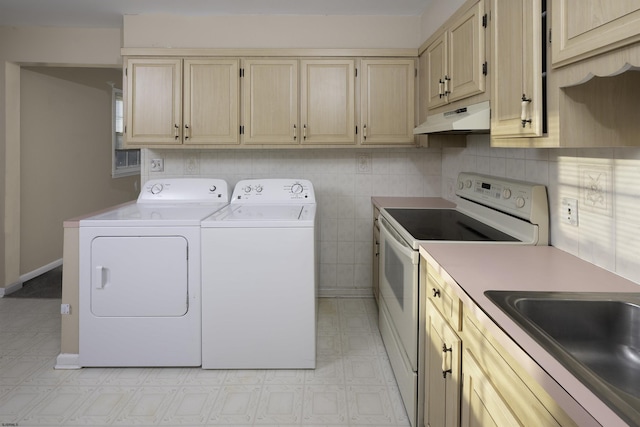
[250,215]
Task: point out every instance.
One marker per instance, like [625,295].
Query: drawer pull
[436,292]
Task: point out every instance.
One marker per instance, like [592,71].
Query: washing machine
[139,290]
[259,278]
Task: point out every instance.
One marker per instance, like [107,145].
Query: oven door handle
[398,242]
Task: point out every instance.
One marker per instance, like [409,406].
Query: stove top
[446,225]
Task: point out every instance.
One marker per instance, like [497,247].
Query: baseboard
[68,361]
[38,271]
[11,288]
[345,293]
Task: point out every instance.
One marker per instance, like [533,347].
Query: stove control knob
[506,193]
[460,185]
[258,188]
[212,189]
[247,189]
[297,188]
[520,202]
[467,183]
[156,188]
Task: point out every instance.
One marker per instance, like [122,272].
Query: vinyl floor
[353,384]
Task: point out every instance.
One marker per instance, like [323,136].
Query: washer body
[259,278]
[139,296]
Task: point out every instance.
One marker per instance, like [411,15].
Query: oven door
[399,288]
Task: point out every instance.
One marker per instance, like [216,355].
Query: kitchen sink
[596,336]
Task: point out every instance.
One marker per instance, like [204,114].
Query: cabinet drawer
[444,298]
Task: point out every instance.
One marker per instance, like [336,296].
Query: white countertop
[529,268]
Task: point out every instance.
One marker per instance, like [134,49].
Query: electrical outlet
[157,165]
[364,163]
[65,309]
[569,213]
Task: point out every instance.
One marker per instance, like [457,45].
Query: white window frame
[132,166]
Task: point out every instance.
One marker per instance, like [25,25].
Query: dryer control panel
[185,190]
[273,191]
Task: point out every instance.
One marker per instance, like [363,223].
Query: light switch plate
[569,212]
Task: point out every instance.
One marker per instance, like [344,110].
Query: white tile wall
[343,190]
[606,183]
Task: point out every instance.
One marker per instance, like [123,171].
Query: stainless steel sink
[596,336]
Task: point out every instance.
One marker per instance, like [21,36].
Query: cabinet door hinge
[241,72]
[484,68]
[356,72]
[241,130]
[549,35]
[485,18]
[356,130]
[126,71]
[415,72]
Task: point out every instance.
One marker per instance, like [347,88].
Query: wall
[604,181]
[65,155]
[30,46]
[343,194]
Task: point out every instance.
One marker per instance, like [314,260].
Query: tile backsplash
[344,181]
[602,180]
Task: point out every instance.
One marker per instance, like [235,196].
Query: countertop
[412,202]
[537,268]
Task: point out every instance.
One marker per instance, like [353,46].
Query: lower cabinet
[470,380]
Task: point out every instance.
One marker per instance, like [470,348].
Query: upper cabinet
[584,28]
[270,89]
[517,69]
[181,102]
[455,59]
[387,93]
[327,101]
[269,101]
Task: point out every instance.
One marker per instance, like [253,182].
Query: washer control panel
[186,190]
[274,190]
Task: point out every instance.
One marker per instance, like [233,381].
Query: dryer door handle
[100,277]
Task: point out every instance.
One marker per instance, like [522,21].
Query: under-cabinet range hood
[474,118]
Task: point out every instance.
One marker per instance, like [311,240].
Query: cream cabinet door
[327,109]
[516,99]
[437,71]
[270,107]
[442,362]
[583,28]
[153,94]
[466,47]
[211,101]
[482,403]
[387,101]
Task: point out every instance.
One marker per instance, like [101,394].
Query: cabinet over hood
[474,118]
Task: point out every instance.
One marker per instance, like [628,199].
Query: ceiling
[108,13]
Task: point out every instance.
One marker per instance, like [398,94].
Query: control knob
[247,189]
[258,188]
[520,202]
[468,183]
[156,188]
[297,188]
[460,185]
[212,189]
[506,193]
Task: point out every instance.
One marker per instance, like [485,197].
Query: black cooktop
[446,224]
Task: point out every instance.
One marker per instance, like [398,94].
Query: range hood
[474,118]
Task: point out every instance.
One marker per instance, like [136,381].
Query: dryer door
[139,276]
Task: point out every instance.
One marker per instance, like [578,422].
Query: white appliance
[140,276]
[259,278]
[490,210]
[474,118]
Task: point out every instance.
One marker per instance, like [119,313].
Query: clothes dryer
[139,296]
[259,278]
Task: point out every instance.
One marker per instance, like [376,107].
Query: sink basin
[596,336]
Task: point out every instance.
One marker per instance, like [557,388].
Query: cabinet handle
[447,359]
[304,132]
[436,292]
[440,88]
[364,132]
[446,85]
[176,131]
[525,114]
[187,132]
[295,132]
